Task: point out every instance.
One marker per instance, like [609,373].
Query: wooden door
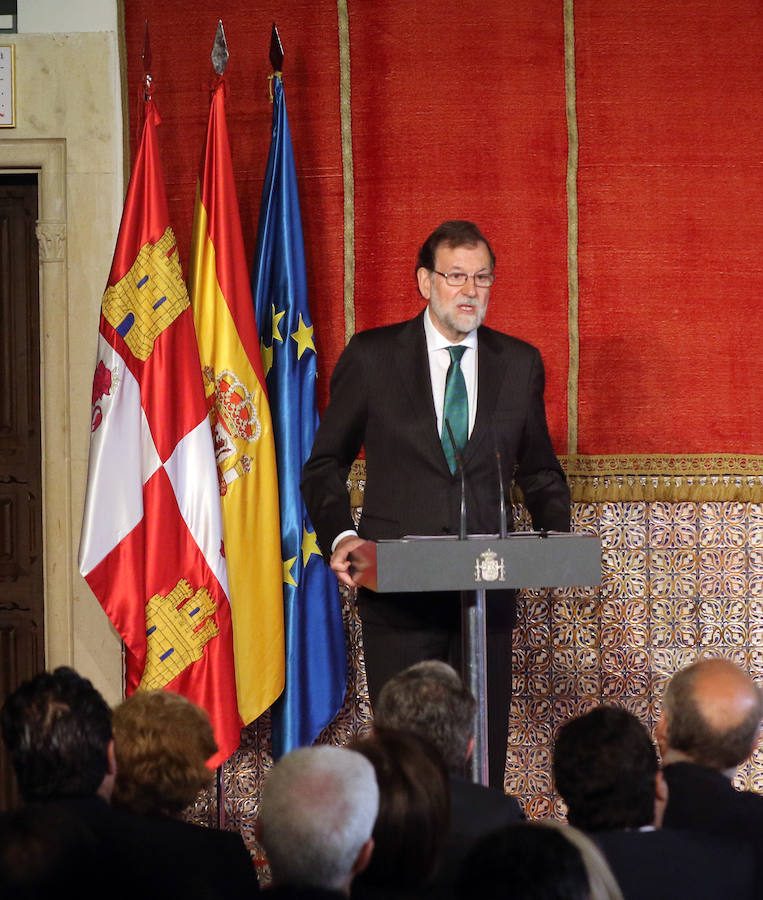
[21,572]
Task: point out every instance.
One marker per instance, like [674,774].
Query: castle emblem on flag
[149,297]
[178,626]
[487,567]
[235,423]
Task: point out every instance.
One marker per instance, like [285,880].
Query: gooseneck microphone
[503,527]
[457,455]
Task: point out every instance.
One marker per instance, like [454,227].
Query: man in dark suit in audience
[607,772]
[317,815]
[709,725]
[430,699]
[58,731]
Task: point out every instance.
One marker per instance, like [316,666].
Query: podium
[473,565]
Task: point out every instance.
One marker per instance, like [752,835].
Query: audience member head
[57,728]
[414,808]
[454,233]
[537,861]
[430,699]
[711,713]
[162,743]
[606,770]
[318,809]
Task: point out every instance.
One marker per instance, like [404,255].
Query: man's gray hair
[430,699]
[318,809]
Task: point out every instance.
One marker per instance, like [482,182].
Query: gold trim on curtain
[698,477]
[572,227]
[669,479]
[348,174]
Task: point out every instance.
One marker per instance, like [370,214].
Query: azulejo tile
[673,525]
[672,572]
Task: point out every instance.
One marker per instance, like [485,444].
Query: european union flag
[316,662]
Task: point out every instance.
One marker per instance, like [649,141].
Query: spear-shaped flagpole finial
[220,53]
[146,57]
[276,50]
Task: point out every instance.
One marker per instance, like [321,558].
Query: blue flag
[316,661]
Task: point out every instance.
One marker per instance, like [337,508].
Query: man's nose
[470,288]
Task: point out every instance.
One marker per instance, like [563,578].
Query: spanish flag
[242,430]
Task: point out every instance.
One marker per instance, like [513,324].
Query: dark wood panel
[21,558]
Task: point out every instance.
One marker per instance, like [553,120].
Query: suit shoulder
[382,335]
[502,342]
[484,801]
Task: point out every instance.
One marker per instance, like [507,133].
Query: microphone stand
[459,466]
[473,646]
[503,527]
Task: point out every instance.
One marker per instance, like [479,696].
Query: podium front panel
[485,562]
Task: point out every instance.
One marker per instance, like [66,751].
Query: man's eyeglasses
[459,279]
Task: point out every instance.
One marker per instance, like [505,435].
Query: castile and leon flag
[152,547]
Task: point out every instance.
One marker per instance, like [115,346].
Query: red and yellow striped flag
[241,425]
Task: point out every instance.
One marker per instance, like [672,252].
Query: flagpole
[220,785]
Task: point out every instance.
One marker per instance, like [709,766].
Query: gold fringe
[348,174]
[649,479]
[696,478]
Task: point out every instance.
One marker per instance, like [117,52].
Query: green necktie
[455,408]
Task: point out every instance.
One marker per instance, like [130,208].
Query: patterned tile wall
[680,581]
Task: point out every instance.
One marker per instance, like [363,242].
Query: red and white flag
[152,542]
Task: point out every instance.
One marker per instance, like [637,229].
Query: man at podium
[440,403]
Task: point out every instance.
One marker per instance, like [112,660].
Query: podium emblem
[487,567]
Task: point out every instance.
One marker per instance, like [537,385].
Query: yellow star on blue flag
[309,546]
[304,338]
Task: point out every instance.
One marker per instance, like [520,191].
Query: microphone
[457,455]
[503,528]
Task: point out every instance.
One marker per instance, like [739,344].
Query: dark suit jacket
[671,865]
[120,855]
[381,398]
[209,863]
[475,811]
[292,892]
[702,799]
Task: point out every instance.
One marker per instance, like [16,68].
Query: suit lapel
[412,362]
[490,374]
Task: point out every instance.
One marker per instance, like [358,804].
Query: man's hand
[339,559]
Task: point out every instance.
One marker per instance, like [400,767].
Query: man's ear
[364,857]
[111,756]
[106,787]
[661,733]
[660,798]
[424,278]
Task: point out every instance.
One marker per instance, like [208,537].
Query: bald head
[711,714]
